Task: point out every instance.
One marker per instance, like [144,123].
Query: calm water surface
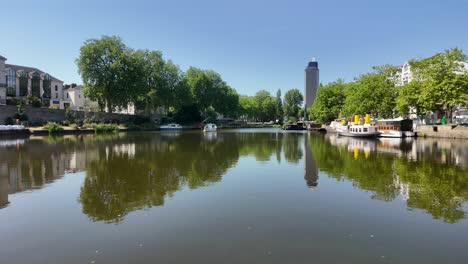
[247,196]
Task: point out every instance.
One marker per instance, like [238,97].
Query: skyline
[254,46]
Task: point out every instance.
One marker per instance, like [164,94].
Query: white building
[74,99]
[21,81]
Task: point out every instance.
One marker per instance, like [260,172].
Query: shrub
[9,121]
[13,101]
[73,126]
[106,128]
[53,128]
[20,112]
[33,101]
[65,123]
[133,127]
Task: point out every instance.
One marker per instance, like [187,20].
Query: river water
[235,196]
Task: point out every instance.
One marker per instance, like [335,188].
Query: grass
[53,128]
[106,128]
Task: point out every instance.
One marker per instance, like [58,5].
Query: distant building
[311,82]
[21,81]
[2,81]
[74,98]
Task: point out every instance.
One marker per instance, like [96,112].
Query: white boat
[210,128]
[172,126]
[395,128]
[365,130]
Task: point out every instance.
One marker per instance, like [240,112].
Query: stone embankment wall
[442,131]
[36,115]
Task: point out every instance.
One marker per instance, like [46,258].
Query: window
[365,129]
[36,85]
[79,96]
[56,95]
[67,95]
[56,88]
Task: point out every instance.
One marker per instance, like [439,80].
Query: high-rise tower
[311,82]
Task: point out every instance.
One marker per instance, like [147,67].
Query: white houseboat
[396,128]
[365,130]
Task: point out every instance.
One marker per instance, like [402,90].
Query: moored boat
[396,128]
[172,126]
[210,128]
[297,126]
[365,130]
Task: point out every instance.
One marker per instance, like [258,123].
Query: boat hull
[397,134]
[359,135]
[209,130]
[170,129]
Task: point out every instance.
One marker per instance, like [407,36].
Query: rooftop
[28,70]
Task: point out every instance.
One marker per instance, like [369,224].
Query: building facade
[74,99]
[311,82]
[21,81]
[2,81]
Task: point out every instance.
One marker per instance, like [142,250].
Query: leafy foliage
[292,102]
[329,102]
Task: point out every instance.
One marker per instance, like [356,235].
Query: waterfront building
[21,81]
[311,82]
[2,81]
[74,99]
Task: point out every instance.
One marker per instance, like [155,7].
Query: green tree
[265,106]
[329,102]
[409,96]
[110,72]
[444,81]
[373,93]
[292,102]
[279,107]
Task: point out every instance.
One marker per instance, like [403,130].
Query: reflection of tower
[310,167]
[311,82]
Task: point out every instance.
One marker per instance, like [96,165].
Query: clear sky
[253,44]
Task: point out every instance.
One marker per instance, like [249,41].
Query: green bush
[91,120]
[133,127]
[73,126]
[20,114]
[13,101]
[53,128]
[106,128]
[33,101]
[65,123]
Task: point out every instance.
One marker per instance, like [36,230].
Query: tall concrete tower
[311,82]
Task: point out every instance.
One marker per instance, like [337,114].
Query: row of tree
[115,75]
[265,107]
[438,83]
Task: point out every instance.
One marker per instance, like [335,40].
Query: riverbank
[442,131]
[41,131]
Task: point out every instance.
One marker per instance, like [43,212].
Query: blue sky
[253,44]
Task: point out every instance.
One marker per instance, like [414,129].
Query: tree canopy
[292,102]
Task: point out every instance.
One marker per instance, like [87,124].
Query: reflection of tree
[118,183]
[292,149]
[439,189]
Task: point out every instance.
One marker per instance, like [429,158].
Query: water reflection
[428,174]
[127,172]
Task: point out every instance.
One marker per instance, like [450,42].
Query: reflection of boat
[365,130]
[210,128]
[396,128]
[171,126]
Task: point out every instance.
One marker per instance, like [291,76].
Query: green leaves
[329,102]
[292,102]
